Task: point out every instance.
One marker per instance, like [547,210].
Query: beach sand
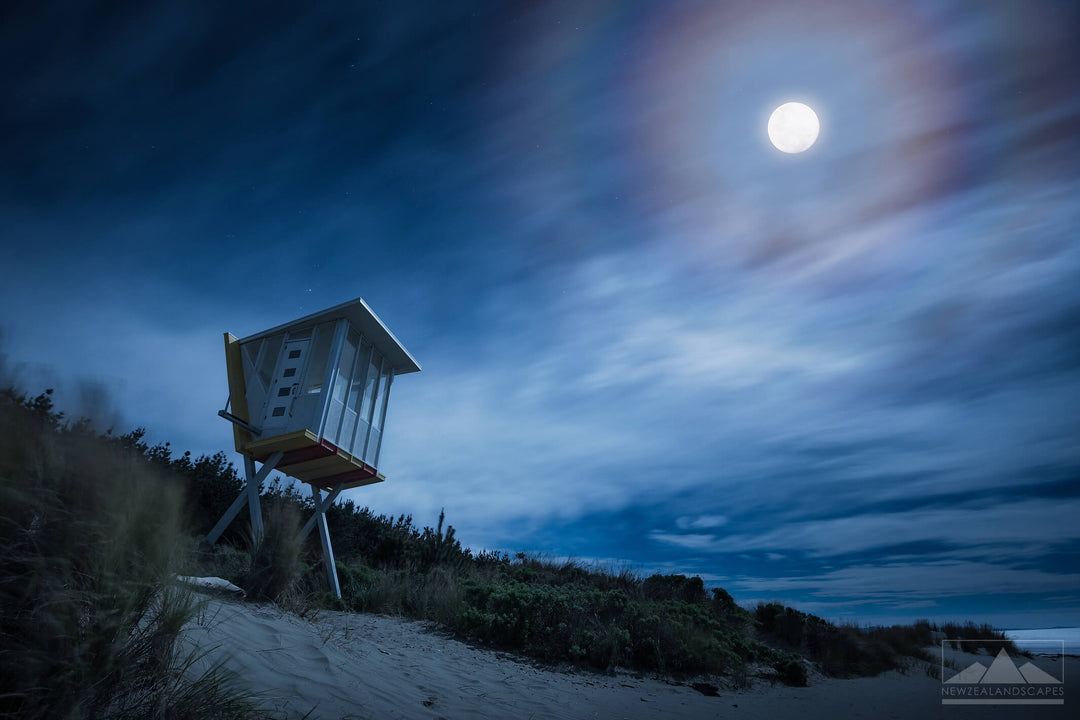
[345,665]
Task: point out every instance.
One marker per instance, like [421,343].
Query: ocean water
[1029,639]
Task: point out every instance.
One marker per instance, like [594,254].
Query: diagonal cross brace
[321,507]
[248,496]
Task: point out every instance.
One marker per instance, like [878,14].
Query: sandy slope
[365,666]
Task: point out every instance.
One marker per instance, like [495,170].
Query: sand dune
[347,665]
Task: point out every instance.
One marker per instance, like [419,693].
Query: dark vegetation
[95,526]
[850,651]
[90,620]
[977,638]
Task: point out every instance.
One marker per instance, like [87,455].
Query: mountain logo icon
[1002,671]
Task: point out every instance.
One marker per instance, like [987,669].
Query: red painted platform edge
[365,473]
[312,452]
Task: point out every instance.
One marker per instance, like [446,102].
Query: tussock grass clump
[436,595]
[89,619]
[977,636]
[276,565]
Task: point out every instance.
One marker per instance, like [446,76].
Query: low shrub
[674,587]
[792,671]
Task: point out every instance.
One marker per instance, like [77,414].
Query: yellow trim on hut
[237,390]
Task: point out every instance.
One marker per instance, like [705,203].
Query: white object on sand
[212,584]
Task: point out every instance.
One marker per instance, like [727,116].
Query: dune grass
[276,563]
[90,621]
[977,636]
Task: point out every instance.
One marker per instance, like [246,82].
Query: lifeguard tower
[309,399]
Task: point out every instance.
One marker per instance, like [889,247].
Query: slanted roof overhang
[364,319]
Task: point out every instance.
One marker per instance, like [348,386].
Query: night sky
[847,379]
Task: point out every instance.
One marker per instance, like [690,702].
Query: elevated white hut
[309,398]
[317,390]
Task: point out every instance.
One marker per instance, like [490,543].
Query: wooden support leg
[248,496]
[324,538]
[254,506]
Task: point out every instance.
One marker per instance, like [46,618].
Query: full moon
[793,127]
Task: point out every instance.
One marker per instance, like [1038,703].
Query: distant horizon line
[1046,627]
